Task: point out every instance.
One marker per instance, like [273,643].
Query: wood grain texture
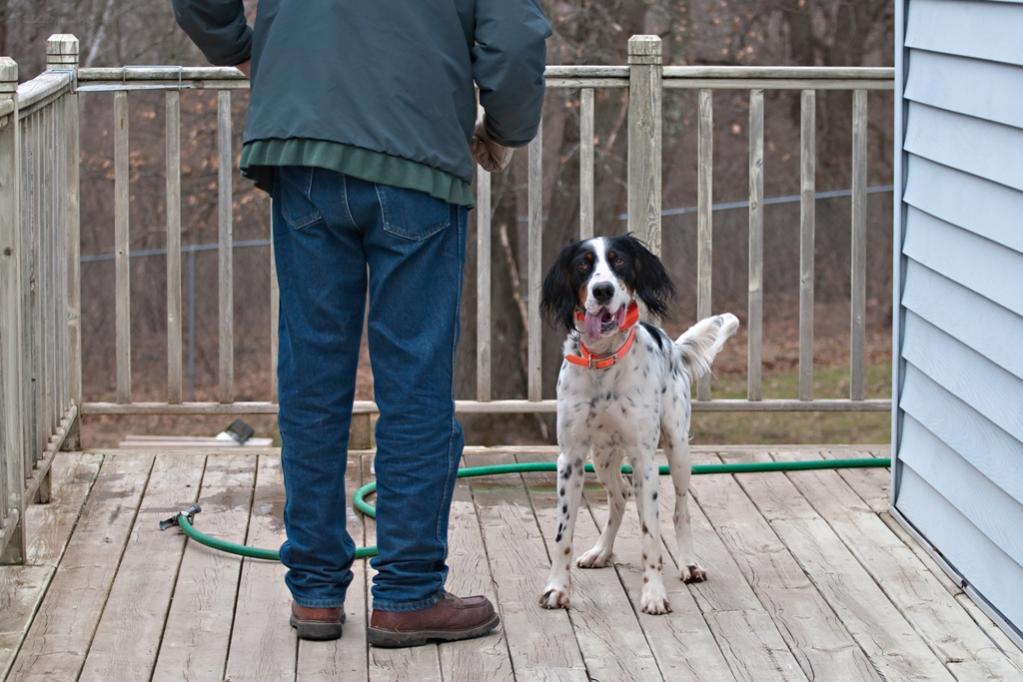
[534,267]
[198,627]
[586,172]
[172,103]
[484,216]
[502,406]
[225,247]
[542,643]
[755,318]
[486,658]
[888,639]
[819,641]
[13,373]
[612,649]
[346,658]
[263,646]
[704,218]
[644,140]
[681,641]
[122,249]
[918,595]
[127,639]
[58,641]
[420,663]
[48,529]
[807,211]
[746,635]
[858,268]
[795,560]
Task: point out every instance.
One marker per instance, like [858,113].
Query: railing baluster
[534,265]
[807,169]
[858,274]
[45,273]
[644,165]
[122,247]
[225,246]
[13,375]
[49,260]
[172,106]
[586,163]
[37,279]
[483,312]
[755,323]
[73,242]
[28,328]
[705,226]
[275,311]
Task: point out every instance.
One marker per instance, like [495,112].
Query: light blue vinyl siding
[958,423]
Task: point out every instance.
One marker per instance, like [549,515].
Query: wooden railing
[40,351]
[45,355]
[646,79]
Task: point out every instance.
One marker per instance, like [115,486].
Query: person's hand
[488,154]
[246,68]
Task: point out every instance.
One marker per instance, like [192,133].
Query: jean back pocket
[411,214]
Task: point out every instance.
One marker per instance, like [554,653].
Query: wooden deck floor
[809,579]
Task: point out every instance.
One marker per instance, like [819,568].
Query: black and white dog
[623,388]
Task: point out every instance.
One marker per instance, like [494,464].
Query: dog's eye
[582,266]
[617,261]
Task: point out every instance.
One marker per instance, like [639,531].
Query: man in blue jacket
[359,125]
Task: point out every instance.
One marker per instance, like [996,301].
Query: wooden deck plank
[894,648]
[820,642]
[48,527]
[198,628]
[871,485]
[930,610]
[128,636]
[613,644]
[542,643]
[422,663]
[345,658]
[59,638]
[994,633]
[485,658]
[681,641]
[747,636]
[263,646]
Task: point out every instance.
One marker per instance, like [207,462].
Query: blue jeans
[334,235]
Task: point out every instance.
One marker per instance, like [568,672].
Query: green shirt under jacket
[380,89]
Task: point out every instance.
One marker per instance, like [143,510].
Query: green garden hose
[185,518]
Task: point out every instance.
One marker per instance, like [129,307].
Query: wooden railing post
[12,370]
[644,174]
[62,55]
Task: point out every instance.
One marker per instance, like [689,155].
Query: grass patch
[798,427]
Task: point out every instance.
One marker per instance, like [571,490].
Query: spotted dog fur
[624,411]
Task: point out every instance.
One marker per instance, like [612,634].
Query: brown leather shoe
[450,619]
[317,623]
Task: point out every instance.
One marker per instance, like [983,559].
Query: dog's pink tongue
[592,325]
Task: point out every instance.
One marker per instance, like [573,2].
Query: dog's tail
[701,343]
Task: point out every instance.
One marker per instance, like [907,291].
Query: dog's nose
[603,292]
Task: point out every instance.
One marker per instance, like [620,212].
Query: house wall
[958,420]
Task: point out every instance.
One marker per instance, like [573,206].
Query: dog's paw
[595,557]
[654,600]
[693,573]
[554,597]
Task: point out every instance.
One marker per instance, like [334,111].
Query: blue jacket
[391,76]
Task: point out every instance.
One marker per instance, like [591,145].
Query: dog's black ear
[652,284]
[559,298]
